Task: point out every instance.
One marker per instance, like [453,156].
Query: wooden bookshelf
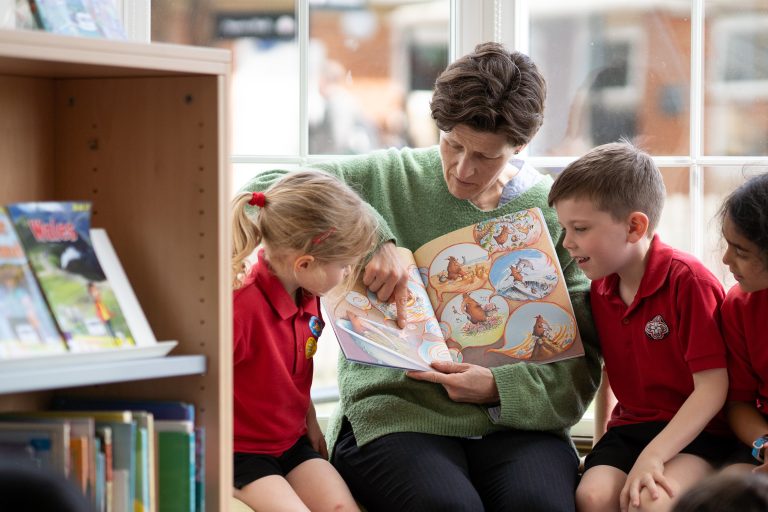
[141,131]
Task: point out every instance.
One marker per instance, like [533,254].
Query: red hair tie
[258,199]
[322,236]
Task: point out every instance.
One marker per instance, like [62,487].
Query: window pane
[736,83]
[676,223]
[371,73]
[613,72]
[262,35]
[242,173]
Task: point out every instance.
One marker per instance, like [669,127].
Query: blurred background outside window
[685,79]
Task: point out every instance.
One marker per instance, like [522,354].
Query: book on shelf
[176,465]
[86,18]
[163,410]
[81,443]
[121,472]
[104,467]
[56,239]
[50,442]
[491,293]
[26,325]
[68,17]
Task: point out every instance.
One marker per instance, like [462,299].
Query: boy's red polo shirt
[669,332]
[272,363]
[745,328]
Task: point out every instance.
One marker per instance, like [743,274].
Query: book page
[367,330]
[499,294]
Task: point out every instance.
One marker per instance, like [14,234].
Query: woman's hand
[464,382]
[648,471]
[386,276]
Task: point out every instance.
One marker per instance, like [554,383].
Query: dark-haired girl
[744,313]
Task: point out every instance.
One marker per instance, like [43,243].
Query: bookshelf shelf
[45,377]
[140,130]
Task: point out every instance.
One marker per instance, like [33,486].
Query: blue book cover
[56,239]
[160,409]
[26,325]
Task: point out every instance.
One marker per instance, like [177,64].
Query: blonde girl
[311,232]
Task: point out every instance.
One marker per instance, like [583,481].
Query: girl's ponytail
[246,236]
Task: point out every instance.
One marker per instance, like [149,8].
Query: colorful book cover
[490,294]
[68,17]
[26,325]
[55,237]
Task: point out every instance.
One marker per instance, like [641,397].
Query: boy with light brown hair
[656,311]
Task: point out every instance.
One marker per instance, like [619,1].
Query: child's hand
[648,471]
[316,439]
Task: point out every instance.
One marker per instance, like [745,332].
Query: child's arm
[708,397]
[748,424]
[314,433]
[605,401]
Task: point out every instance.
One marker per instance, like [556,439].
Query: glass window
[612,72]
[371,73]
[263,38]
[736,81]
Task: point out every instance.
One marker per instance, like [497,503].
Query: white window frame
[505,21]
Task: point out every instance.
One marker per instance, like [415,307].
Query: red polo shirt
[653,347]
[272,364]
[746,334]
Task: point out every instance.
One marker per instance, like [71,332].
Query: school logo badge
[656,328]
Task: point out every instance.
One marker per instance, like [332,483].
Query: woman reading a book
[461,437]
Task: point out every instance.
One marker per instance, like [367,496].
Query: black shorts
[621,446]
[742,455]
[249,467]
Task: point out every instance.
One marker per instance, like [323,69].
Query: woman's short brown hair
[491,90]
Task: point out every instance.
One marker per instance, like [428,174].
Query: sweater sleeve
[554,396]
[264,180]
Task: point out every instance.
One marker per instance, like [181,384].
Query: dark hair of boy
[725,493]
[618,178]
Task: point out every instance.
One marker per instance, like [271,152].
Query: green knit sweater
[407,188]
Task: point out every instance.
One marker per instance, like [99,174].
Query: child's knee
[595,497]
[663,503]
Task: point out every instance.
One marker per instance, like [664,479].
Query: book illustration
[490,294]
[519,229]
[26,325]
[538,331]
[527,274]
[55,237]
[458,269]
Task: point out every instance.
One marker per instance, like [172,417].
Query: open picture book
[492,293]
